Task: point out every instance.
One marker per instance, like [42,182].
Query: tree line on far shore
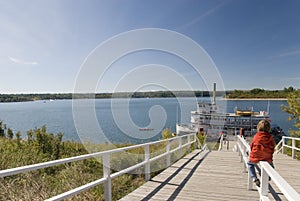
[259,93]
[60,96]
[230,94]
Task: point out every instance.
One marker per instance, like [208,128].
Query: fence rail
[267,171]
[223,141]
[107,176]
[282,145]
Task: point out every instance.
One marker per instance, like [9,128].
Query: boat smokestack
[214,93]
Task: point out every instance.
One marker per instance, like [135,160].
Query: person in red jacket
[262,148]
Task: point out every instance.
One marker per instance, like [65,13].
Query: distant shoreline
[150,94]
[241,99]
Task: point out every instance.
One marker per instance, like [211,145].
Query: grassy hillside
[41,146]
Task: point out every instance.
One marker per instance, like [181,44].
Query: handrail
[223,140]
[106,179]
[284,145]
[244,148]
[277,149]
[266,171]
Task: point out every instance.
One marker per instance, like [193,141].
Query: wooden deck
[215,175]
[289,169]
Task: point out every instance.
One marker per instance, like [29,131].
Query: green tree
[166,133]
[29,136]
[202,138]
[10,134]
[293,109]
[288,90]
[19,138]
[2,133]
[257,91]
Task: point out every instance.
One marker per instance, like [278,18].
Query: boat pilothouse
[213,120]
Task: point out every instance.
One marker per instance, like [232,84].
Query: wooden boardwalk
[289,169]
[215,175]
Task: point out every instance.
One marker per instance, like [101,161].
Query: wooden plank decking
[289,169]
[199,176]
[215,175]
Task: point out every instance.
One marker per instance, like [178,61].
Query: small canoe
[146,129]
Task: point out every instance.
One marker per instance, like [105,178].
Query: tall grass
[45,183]
[41,146]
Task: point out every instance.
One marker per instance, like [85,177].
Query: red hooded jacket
[262,147]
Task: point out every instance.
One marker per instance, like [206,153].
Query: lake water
[118,120]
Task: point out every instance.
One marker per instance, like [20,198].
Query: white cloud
[291,53]
[18,61]
[293,78]
[204,15]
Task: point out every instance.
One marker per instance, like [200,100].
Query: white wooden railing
[107,176]
[223,141]
[281,146]
[266,171]
[243,148]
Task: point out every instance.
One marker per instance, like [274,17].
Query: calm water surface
[119,119]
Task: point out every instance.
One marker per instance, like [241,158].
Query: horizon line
[148,91]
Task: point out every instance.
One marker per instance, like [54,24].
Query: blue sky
[43,44]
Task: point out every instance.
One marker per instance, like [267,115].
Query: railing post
[189,143]
[147,159]
[180,147]
[221,142]
[245,167]
[106,174]
[195,141]
[250,182]
[283,144]
[244,164]
[239,145]
[168,154]
[227,144]
[264,182]
[242,153]
[293,148]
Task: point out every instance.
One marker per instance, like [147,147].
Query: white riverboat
[212,120]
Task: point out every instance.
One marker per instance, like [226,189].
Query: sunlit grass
[48,182]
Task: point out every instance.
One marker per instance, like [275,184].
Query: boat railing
[184,141]
[267,171]
[290,143]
